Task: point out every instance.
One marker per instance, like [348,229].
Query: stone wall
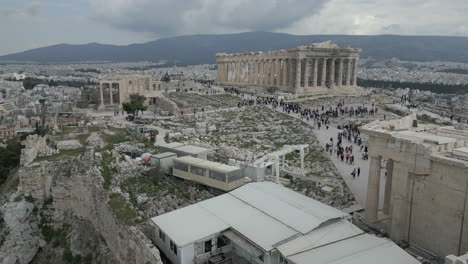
[32,147]
[75,184]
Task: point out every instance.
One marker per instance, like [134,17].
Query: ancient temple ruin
[117,90]
[320,66]
[425,171]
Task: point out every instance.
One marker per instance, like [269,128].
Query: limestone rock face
[22,239]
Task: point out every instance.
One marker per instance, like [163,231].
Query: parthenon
[300,70]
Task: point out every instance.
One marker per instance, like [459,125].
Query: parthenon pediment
[325,45]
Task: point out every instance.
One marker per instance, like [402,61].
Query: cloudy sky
[27,24]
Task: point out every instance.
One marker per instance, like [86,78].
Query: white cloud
[368,17]
[175,17]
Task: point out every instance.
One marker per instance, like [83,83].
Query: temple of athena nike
[305,69]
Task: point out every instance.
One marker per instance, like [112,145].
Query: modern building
[425,172]
[213,174]
[317,67]
[267,223]
[115,91]
[182,149]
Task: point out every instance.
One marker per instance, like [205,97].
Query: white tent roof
[265,213]
[361,249]
[339,230]
[189,224]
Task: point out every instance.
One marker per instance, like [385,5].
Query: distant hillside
[200,49]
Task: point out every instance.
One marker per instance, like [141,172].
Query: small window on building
[283,260]
[235,176]
[208,246]
[197,170]
[260,257]
[162,236]
[219,176]
[173,247]
[180,166]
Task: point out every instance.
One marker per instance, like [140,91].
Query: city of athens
[233,132]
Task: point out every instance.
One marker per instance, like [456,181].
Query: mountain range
[201,49]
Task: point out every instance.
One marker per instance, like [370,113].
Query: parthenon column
[314,84]
[306,74]
[355,72]
[238,70]
[285,72]
[266,71]
[291,73]
[348,72]
[340,73]
[373,188]
[260,72]
[111,97]
[254,71]
[298,74]
[332,73]
[388,187]
[272,71]
[278,72]
[324,72]
[249,72]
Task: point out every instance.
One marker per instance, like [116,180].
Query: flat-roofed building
[213,174]
[186,150]
[266,223]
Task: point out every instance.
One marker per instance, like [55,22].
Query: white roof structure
[264,212]
[193,149]
[361,249]
[270,216]
[187,148]
[164,155]
[202,163]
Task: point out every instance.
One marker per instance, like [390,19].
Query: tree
[136,104]
[166,78]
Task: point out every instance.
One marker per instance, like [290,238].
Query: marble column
[238,68]
[332,73]
[249,72]
[285,72]
[348,72]
[111,95]
[272,71]
[340,73]
[260,71]
[278,72]
[314,84]
[101,93]
[324,72]
[254,72]
[297,83]
[388,188]
[373,188]
[306,74]
[291,73]
[355,72]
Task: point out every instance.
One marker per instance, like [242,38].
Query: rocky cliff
[62,191]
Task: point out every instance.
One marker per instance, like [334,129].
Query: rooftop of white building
[269,216]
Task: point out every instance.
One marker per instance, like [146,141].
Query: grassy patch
[120,136]
[106,171]
[62,153]
[122,209]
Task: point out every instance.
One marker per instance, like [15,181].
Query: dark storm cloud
[173,17]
